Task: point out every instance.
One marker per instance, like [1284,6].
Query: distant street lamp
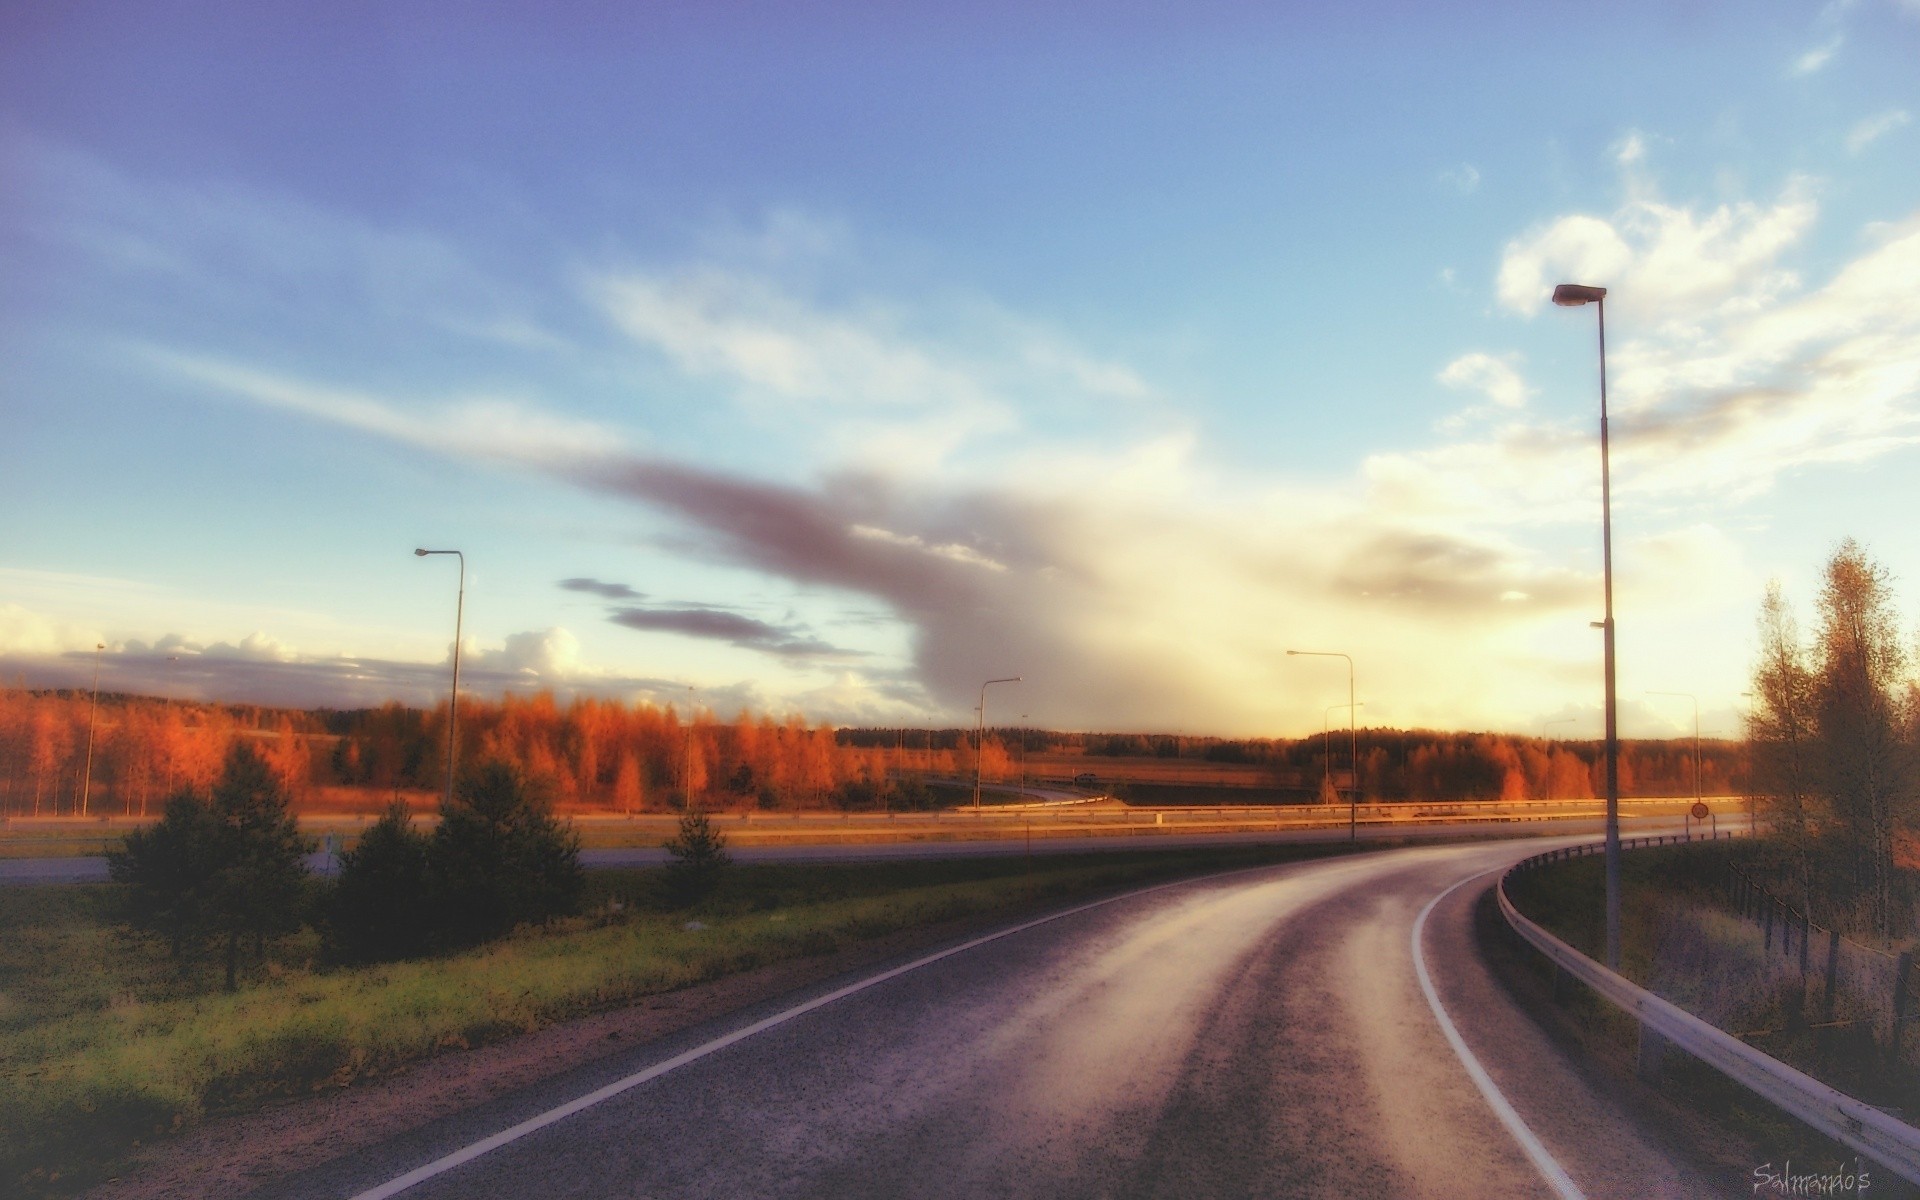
[173,661]
[1023,754]
[980,737]
[86,782]
[1353,739]
[1698,798]
[688,777]
[1326,741]
[453,701]
[1573,295]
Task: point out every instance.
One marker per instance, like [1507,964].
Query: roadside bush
[377,910]
[699,859]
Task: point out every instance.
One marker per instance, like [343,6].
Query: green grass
[105,1042]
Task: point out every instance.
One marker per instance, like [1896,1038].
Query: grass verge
[105,1043]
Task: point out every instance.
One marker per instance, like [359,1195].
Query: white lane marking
[467,1154]
[1537,1153]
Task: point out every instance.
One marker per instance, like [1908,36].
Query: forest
[62,756]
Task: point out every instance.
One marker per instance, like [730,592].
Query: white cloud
[255,647]
[1495,378]
[1664,262]
[23,632]
[1464,179]
[1818,57]
[1874,128]
[548,654]
[475,427]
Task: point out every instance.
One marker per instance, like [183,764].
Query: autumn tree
[1857,701]
[1781,731]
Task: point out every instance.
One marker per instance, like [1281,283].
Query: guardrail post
[1833,969]
[1901,994]
[1806,936]
[1653,1048]
[1768,918]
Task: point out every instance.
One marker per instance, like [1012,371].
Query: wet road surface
[1263,1033]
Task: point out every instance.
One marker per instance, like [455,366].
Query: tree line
[1411,765]
[1835,739]
[590,753]
[606,755]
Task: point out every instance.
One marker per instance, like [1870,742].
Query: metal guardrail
[1855,1123]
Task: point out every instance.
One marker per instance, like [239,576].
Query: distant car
[1086,779]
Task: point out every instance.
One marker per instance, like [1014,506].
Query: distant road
[1281,1031]
[94,869]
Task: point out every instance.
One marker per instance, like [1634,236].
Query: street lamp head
[418,553]
[1573,295]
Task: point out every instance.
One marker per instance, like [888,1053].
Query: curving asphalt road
[1265,1033]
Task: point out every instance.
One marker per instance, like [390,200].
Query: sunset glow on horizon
[834,362]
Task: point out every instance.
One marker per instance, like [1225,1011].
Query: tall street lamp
[86,781]
[1353,739]
[1573,295]
[980,736]
[453,701]
[1697,797]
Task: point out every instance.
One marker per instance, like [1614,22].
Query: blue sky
[837,358]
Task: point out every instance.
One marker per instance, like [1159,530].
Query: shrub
[500,858]
[377,910]
[699,857]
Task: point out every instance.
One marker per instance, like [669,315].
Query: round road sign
[1699,812]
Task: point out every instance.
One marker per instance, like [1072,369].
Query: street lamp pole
[1573,295]
[1353,739]
[980,736]
[86,782]
[687,778]
[1326,741]
[453,700]
[1698,797]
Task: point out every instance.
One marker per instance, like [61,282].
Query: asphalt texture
[1262,1033]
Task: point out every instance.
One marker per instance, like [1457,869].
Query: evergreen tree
[500,858]
[700,856]
[378,910]
[224,868]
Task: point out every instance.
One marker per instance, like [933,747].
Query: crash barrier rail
[1844,965]
[1854,1123]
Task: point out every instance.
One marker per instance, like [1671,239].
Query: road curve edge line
[1530,1145]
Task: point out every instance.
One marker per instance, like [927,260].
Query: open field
[105,1043]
